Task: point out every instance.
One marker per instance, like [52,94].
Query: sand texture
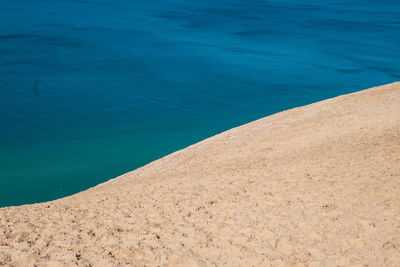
[317,185]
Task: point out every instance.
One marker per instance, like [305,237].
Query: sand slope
[317,185]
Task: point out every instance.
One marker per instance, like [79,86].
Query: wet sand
[317,185]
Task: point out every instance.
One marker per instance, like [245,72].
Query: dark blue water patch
[16,36]
[349,71]
[92,89]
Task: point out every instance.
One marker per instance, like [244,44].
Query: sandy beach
[317,185]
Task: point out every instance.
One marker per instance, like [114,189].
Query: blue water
[91,89]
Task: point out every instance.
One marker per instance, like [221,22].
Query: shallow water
[90,89]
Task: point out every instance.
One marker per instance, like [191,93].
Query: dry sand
[317,185]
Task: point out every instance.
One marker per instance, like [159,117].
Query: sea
[92,89]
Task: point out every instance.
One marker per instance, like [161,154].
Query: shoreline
[316,184]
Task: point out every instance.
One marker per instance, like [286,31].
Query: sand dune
[317,185]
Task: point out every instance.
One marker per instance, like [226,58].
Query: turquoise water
[91,89]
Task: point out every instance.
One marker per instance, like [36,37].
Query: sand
[317,185]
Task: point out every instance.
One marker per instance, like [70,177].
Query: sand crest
[316,186]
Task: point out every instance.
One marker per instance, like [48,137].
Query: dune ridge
[317,185]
